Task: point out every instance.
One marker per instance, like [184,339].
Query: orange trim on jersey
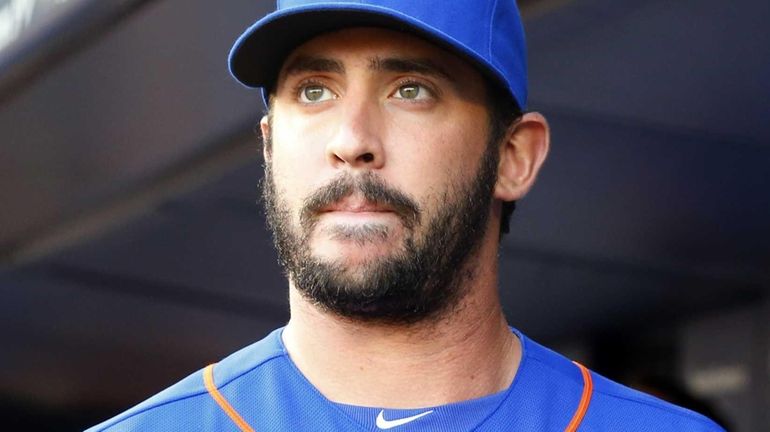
[577,418]
[208,380]
[585,399]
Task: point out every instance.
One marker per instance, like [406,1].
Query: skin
[418,129]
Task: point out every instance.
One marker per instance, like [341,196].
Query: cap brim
[257,56]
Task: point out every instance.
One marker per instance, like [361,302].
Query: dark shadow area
[32,417]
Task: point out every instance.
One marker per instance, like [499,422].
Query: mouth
[356,206]
[358,201]
[356,220]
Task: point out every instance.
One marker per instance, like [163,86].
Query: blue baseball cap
[488,33]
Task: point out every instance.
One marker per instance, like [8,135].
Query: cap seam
[491,26]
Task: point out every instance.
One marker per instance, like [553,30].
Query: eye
[412,91]
[315,93]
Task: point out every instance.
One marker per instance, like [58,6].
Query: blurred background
[133,250]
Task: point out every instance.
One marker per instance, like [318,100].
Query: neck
[468,354]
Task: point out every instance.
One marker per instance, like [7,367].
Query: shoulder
[613,406]
[187,404]
[616,405]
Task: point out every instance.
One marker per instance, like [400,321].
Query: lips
[354,204]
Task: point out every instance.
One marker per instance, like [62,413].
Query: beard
[423,279]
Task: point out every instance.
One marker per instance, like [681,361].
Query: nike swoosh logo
[390,424]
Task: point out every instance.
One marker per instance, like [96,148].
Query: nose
[357,142]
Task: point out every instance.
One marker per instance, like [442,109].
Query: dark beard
[423,280]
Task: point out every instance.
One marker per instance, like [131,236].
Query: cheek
[296,160]
[430,158]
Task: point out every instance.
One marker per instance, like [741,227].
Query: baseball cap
[488,33]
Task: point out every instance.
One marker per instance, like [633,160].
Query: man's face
[379,173]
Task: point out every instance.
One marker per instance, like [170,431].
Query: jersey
[260,389]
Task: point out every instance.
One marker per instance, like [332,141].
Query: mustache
[371,187]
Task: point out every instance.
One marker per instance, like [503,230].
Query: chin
[355,251]
[353,258]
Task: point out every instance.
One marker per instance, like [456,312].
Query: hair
[504,113]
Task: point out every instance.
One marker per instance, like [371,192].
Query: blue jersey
[260,389]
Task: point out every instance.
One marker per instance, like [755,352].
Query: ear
[264,126]
[521,156]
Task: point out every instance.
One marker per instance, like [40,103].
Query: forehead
[367,45]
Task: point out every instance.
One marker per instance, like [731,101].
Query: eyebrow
[314,64]
[423,66]
[410,65]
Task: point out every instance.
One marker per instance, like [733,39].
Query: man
[394,149]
